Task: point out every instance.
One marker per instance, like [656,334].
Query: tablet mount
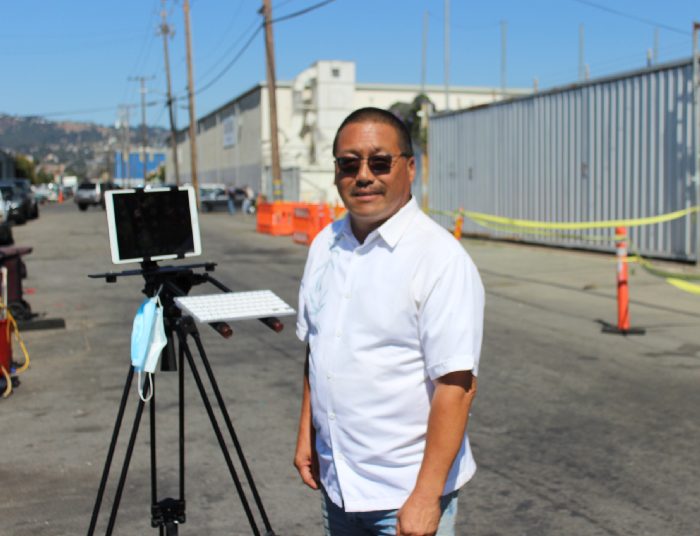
[167,514]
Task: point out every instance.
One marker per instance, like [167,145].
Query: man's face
[372,197]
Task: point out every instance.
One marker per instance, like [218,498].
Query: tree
[409,113]
[25,168]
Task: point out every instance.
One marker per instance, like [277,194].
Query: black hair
[378,115]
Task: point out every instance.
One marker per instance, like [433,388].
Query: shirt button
[331,416]
[329,377]
[337,334]
[347,296]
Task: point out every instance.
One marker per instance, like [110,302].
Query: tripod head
[169,282]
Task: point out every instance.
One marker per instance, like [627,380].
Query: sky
[72,59]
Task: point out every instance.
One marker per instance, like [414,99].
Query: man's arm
[449,413]
[305,457]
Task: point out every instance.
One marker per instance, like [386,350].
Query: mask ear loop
[142,382]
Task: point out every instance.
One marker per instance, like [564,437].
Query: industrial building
[619,147]
[233,141]
[130,172]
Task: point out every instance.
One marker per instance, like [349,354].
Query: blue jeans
[338,522]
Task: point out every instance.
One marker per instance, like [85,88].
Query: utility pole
[504,72]
[424,57]
[655,56]
[144,128]
[166,32]
[190,97]
[277,193]
[447,54]
[126,144]
[581,56]
[696,125]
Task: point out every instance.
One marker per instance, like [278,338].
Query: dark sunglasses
[379,164]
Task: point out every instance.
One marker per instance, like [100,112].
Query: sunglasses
[379,164]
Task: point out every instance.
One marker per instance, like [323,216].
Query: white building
[233,141]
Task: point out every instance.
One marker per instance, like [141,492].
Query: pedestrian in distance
[391,309]
[230,191]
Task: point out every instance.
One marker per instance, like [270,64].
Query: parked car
[17,205]
[213,196]
[44,193]
[6,238]
[92,194]
[30,203]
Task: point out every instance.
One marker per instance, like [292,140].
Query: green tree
[25,167]
[42,177]
[409,113]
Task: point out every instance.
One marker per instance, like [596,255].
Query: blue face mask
[147,339]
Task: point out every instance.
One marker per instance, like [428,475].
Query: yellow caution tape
[530,224]
[684,285]
[548,229]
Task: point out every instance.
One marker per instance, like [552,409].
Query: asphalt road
[575,432]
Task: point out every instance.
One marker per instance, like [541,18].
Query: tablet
[152,224]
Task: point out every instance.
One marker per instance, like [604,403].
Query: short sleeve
[302,330]
[451,319]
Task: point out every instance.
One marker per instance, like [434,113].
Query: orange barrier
[338,211]
[276,218]
[308,221]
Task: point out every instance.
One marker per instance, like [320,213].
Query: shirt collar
[390,231]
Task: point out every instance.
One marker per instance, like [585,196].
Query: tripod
[167,514]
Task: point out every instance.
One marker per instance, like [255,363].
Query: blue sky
[62,56]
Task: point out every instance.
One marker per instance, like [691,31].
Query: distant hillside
[82,147]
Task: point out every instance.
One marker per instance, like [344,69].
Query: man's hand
[305,459]
[306,463]
[419,516]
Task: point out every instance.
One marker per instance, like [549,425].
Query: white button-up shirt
[383,319]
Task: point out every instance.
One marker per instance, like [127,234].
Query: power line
[252,37]
[85,111]
[229,49]
[230,64]
[302,11]
[632,16]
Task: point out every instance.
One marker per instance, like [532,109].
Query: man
[391,308]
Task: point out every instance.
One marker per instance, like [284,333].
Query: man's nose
[364,172]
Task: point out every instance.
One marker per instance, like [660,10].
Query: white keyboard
[234,306]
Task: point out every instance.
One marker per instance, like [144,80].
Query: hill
[86,149]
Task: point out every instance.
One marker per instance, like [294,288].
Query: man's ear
[411,168]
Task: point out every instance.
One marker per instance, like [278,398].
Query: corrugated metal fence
[621,147]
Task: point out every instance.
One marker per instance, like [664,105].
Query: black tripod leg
[234,437]
[217,431]
[125,469]
[110,451]
[181,418]
[152,421]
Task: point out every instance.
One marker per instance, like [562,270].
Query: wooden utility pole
[190,97]
[277,193]
[166,32]
[447,54]
[696,128]
[144,128]
[126,145]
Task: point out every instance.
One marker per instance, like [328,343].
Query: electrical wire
[250,41]
[230,63]
[302,11]
[631,16]
[92,110]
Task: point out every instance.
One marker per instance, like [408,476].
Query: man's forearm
[449,414]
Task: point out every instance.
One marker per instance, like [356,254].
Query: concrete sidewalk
[574,431]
